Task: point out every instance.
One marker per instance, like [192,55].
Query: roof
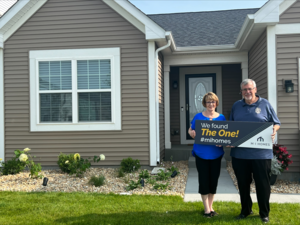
[6,6]
[203,28]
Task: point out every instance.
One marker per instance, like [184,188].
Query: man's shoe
[265,219]
[240,217]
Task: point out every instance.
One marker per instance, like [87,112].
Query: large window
[75,90]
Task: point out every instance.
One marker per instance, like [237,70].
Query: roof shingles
[203,28]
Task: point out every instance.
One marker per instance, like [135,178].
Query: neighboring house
[84,76]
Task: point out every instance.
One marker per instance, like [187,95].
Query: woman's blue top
[207,151]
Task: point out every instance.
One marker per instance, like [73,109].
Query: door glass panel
[198,87]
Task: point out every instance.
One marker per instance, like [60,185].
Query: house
[100,76]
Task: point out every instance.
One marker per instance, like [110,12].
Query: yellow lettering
[221,133]
[208,132]
[232,134]
[237,133]
[214,133]
[203,130]
[227,134]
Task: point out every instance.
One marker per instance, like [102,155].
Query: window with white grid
[75,90]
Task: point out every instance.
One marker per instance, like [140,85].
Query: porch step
[192,162]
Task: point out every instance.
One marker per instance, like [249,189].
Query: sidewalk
[226,190]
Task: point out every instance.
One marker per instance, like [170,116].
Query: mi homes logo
[260,139]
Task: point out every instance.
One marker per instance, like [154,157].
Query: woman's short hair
[210,96]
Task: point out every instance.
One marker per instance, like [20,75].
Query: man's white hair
[247,81]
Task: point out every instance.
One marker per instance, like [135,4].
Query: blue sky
[173,6]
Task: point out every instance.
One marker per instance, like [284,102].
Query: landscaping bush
[144,174]
[12,166]
[161,175]
[120,173]
[162,187]
[129,165]
[97,181]
[133,185]
[21,160]
[74,164]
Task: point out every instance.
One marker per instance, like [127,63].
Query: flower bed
[62,182]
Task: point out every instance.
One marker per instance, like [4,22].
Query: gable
[291,15]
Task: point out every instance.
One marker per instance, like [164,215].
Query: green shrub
[72,164]
[12,166]
[163,175]
[173,168]
[162,187]
[97,181]
[129,165]
[120,173]
[35,169]
[21,160]
[144,174]
[133,185]
[151,180]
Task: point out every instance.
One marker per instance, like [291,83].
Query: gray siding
[292,14]
[161,105]
[74,24]
[288,52]
[231,79]
[174,106]
[258,70]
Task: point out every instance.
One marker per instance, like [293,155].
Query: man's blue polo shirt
[260,111]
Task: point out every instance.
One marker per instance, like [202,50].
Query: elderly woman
[208,157]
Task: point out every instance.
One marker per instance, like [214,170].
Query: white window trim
[76,54]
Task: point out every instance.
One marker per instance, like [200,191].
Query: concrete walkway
[226,190]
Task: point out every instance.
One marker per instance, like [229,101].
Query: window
[73,90]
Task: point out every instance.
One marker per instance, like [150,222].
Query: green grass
[81,208]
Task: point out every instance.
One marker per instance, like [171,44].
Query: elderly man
[253,161]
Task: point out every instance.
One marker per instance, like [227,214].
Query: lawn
[88,208]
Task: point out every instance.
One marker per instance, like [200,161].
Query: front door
[196,86]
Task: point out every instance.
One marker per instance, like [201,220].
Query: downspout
[2,146]
[157,98]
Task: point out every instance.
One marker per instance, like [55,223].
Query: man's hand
[229,146]
[192,133]
[275,129]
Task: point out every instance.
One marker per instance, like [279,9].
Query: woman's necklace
[209,116]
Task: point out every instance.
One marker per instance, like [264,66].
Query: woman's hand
[192,133]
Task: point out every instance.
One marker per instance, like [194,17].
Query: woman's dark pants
[260,168]
[208,174]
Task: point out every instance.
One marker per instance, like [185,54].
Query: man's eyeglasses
[210,102]
[247,89]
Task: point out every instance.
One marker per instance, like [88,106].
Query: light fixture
[175,85]
[288,85]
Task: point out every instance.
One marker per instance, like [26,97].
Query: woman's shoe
[207,215]
[214,213]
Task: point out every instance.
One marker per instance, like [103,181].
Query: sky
[173,6]
[5,4]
